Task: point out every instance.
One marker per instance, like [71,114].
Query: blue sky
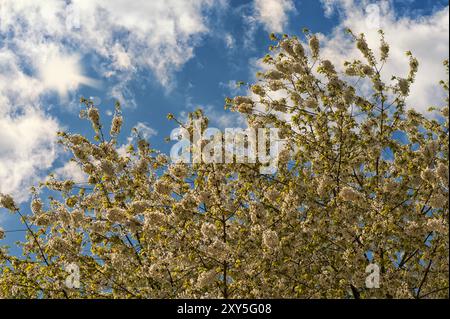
[167,56]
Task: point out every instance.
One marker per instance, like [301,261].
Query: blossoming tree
[348,193]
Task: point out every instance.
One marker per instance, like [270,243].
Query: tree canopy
[363,180]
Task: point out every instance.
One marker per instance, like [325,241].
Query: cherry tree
[362,184]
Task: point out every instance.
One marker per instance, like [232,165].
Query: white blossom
[349,194]
[270,239]
[207,278]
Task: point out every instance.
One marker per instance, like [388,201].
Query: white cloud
[27,135]
[158,35]
[229,40]
[330,6]
[16,87]
[71,171]
[273,14]
[63,74]
[426,37]
[223,119]
[121,58]
[42,44]
[27,145]
[122,92]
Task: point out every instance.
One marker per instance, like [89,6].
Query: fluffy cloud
[72,171]
[63,74]
[273,14]
[42,44]
[27,135]
[426,37]
[159,35]
[27,145]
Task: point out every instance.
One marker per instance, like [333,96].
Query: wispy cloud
[145,131]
